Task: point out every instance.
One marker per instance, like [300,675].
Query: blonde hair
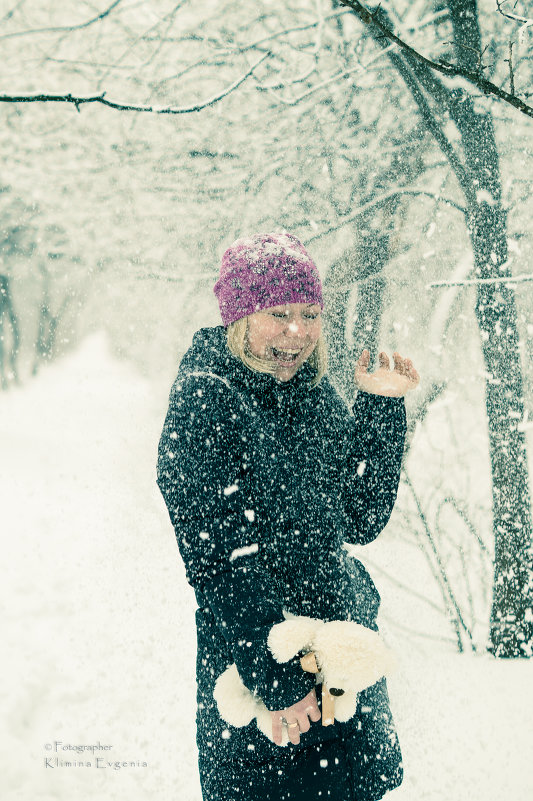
[238,345]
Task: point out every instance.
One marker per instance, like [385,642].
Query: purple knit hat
[262,271]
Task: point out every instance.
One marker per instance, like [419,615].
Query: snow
[99,641]
[246,550]
[482,196]
[99,623]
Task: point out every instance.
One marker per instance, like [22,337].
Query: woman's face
[285,336]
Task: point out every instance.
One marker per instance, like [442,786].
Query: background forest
[412,190]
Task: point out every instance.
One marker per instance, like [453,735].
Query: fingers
[411,372]
[399,363]
[293,730]
[405,367]
[293,727]
[303,723]
[361,365]
[311,706]
[298,725]
[277,720]
[384,360]
[277,730]
[297,718]
[393,383]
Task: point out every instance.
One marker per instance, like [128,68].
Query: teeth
[286,354]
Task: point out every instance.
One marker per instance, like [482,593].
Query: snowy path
[98,619]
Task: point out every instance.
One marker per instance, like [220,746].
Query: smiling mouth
[286,357]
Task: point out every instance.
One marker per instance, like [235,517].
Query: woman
[266,474]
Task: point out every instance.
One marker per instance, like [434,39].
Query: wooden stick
[308,663]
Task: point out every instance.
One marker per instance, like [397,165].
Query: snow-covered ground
[98,639]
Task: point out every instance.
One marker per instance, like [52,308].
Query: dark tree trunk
[511,631]
[477,171]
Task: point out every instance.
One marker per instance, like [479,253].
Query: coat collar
[209,352]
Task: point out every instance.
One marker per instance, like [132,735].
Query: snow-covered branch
[515,17]
[80,101]
[450,70]
[512,279]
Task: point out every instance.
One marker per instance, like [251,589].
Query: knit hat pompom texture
[265,270]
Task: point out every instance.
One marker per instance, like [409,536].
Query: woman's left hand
[297,718]
[384,381]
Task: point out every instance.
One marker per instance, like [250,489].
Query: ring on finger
[290,725]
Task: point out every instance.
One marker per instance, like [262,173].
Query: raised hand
[384,381]
[296,718]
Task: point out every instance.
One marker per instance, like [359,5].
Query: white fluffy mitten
[350,657]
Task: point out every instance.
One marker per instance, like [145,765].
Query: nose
[297,327]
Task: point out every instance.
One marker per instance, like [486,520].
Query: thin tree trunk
[8,314]
[359,271]
[348,275]
[337,292]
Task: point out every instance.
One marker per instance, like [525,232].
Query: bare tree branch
[516,279]
[463,514]
[410,590]
[79,101]
[432,123]
[62,28]
[278,34]
[380,199]
[410,630]
[511,70]
[137,38]
[11,11]
[523,20]
[343,73]
[475,78]
[226,47]
[439,571]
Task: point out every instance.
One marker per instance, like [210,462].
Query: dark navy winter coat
[264,481]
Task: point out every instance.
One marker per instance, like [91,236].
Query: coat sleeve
[203,474]
[373,464]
